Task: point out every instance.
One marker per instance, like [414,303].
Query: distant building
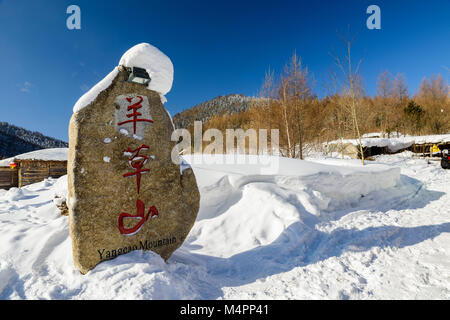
[374,145]
[32,167]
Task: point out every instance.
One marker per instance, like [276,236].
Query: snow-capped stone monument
[125,193]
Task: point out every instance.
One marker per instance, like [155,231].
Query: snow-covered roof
[54,154]
[397,143]
[144,55]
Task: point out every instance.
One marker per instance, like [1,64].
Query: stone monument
[125,193]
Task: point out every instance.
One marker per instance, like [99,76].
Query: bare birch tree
[351,86]
[294,94]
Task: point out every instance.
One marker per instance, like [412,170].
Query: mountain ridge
[231,103]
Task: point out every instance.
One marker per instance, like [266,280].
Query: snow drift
[241,209]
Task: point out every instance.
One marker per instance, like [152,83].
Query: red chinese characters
[137,161]
[135,114]
[140,215]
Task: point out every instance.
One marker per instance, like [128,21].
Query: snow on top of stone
[53,154]
[158,66]
[90,96]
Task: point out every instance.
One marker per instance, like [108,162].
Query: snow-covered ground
[318,229]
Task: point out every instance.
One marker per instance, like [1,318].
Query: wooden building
[8,177]
[33,167]
[32,171]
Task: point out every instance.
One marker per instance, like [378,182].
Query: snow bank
[344,182]
[143,55]
[260,207]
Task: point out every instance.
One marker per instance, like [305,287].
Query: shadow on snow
[302,244]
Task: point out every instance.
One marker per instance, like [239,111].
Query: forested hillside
[15,140]
[222,105]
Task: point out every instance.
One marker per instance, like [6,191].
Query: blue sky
[217,47]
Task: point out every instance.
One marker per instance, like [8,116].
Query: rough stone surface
[99,193]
